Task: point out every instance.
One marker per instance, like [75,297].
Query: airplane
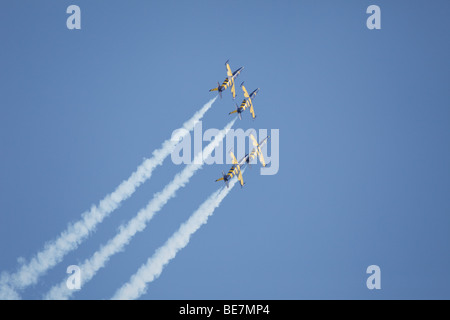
[235,170]
[247,102]
[228,82]
[256,151]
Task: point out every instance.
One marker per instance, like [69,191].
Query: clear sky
[364,122]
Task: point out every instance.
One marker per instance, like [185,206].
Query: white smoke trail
[99,259]
[154,266]
[54,251]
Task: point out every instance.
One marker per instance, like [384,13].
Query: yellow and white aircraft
[256,151]
[247,102]
[235,170]
[229,81]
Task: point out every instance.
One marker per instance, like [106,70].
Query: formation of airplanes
[229,82]
[247,103]
[236,169]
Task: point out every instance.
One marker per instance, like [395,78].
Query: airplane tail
[223,179]
[237,111]
[217,89]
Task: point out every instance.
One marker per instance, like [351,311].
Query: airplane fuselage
[236,73]
[248,101]
[253,94]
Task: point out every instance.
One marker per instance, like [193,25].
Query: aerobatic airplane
[247,102]
[229,81]
[256,151]
[235,170]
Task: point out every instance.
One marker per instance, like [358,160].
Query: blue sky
[364,124]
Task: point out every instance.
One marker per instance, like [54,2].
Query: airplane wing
[261,158]
[245,91]
[233,89]
[229,72]
[237,168]
[258,150]
[252,111]
[255,143]
[233,158]
[241,180]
